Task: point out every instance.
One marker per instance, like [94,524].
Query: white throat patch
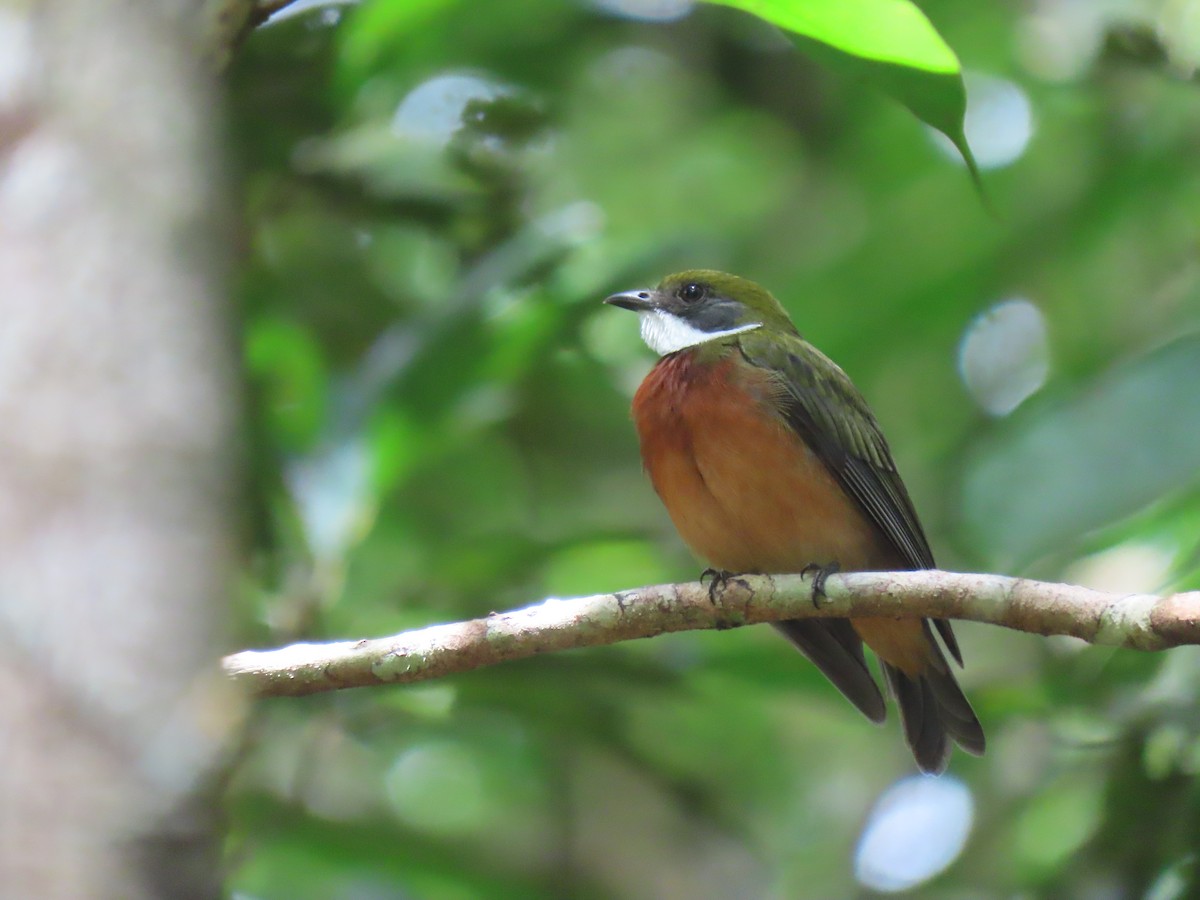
[665,333]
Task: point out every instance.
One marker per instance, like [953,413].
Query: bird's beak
[638,301]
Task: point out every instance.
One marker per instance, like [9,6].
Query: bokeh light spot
[1058,40]
[646,10]
[330,11]
[998,124]
[917,828]
[1004,355]
[1178,27]
[433,111]
[332,494]
[1129,568]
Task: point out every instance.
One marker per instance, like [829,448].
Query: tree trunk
[117,419]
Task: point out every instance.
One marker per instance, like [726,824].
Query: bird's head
[699,306]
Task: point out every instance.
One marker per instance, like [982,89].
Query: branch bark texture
[1138,621]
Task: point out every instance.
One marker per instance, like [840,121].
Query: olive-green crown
[720,288]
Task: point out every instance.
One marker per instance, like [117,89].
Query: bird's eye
[691,292]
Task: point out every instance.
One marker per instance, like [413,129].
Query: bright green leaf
[376,26]
[889,43]
[893,31]
[287,361]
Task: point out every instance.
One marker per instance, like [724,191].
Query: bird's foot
[717,579]
[819,573]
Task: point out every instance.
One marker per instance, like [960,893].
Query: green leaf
[375,27]
[1063,470]
[288,364]
[893,31]
[889,43]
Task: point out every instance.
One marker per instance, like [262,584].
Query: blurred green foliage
[436,197]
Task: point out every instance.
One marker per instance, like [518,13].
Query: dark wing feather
[835,648]
[825,408]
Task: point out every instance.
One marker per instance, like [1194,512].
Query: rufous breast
[743,489]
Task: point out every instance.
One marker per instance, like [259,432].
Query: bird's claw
[717,579]
[819,573]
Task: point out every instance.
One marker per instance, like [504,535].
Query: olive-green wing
[827,411]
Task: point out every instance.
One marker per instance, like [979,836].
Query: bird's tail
[934,712]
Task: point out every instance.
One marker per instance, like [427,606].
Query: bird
[768,461]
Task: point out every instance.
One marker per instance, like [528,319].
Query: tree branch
[1138,621]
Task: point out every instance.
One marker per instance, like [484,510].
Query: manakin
[768,460]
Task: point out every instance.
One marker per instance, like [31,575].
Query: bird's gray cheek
[720,317]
